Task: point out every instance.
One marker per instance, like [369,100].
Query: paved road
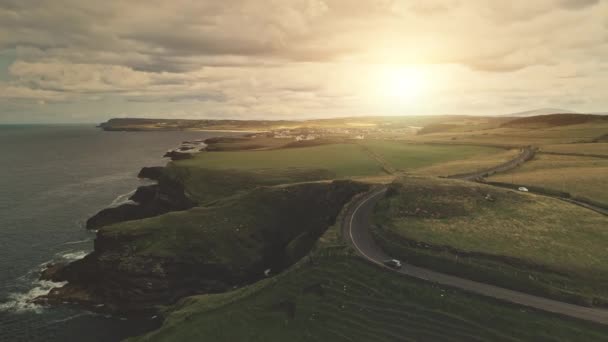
[356,231]
[527,153]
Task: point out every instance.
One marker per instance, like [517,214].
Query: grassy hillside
[241,230]
[523,241]
[206,186]
[553,120]
[520,136]
[595,148]
[396,123]
[335,296]
[138,124]
[341,160]
[210,175]
[472,164]
[403,156]
[142,263]
[583,177]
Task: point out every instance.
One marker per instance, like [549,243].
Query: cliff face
[150,200]
[137,265]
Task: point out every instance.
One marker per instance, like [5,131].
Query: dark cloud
[278,56]
[577,4]
[195,97]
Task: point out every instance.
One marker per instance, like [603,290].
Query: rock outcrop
[135,268]
[177,155]
[149,200]
[153,172]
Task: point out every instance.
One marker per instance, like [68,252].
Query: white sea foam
[76,242]
[23,301]
[82,314]
[72,256]
[122,199]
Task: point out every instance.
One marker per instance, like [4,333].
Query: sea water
[52,178]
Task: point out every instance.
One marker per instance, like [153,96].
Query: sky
[88,61]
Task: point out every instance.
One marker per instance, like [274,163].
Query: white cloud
[300,57]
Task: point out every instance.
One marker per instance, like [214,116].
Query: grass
[335,296]
[523,241]
[595,148]
[237,239]
[582,177]
[404,156]
[521,136]
[473,164]
[211,175]
[342,160]
[206,186]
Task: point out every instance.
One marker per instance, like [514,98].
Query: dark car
[393,263]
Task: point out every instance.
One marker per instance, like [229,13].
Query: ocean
[52,178]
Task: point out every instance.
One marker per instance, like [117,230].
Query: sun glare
[403,82]
[400,85]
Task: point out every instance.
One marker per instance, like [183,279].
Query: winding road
[355,229]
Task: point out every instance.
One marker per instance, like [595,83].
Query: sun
[400,85]
[403,82]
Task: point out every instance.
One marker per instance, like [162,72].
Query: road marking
[350,233]
[483,289]
[350,229]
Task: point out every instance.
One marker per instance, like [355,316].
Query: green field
[582,177]
[595,148]
[210,175]
[335,296]
[265,204]
[473,164]
[524,241]
[342,160]
[403,156]
[521,136]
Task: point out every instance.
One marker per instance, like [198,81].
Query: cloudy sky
[87,61]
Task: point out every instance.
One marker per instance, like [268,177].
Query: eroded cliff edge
[150,200]
[139,264]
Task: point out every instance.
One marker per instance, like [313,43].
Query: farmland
[518,136]
[584,149]
[472,164]
[402,156]
[254,258]
[583,177]
[335,296]
[210,175]
[522,241]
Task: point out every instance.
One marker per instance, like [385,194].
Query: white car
[522,188]
[392,263]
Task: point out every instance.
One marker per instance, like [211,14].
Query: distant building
[359,137]
[306,137]
[283,135]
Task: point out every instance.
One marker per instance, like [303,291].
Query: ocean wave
[69,318]
[82,188]
[72,256]
[23,301]
[76,242]
[122,199]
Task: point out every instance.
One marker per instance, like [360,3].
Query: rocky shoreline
[117,278]
[148,201]
[82,275]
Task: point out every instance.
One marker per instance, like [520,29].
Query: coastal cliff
[139,264]
[148,201]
